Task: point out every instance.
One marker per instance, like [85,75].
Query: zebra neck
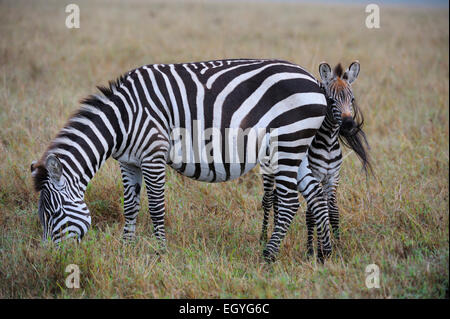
[326,137]
[91,136]
[330,128]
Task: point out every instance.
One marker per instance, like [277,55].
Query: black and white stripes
[318,175]
[211,121]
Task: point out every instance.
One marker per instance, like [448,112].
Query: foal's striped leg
[333,210]
[317,212]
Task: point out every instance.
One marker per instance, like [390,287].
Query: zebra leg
[132,181]
[310,225]
[333,210]
[286,196]
[275,209]
[317,213]
[154,171]
[319,209]
[267,203]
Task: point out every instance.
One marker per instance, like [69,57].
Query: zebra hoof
[310,252]
[323,254]
[161,249]
[269,256]
[161,252]
[127,238]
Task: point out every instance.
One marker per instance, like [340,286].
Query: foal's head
[345,111]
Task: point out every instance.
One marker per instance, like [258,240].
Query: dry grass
[398,220]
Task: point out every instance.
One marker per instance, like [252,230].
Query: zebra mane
[357,141]
[112,85]
[38,170]
[338,70]
[107,91]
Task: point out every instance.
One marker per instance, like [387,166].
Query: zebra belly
[207,163]
[211,174]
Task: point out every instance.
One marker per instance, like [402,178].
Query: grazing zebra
[211,121]
[318,175]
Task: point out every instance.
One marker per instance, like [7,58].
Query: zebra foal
[318,174]
[211,121]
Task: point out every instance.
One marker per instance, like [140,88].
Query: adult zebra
[318,175]
[275,106]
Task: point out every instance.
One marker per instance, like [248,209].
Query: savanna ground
[397,220]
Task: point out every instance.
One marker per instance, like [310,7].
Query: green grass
[397,220]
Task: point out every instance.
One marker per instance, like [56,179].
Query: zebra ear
[352,72]
[33,169]
[325,72]
[54,167]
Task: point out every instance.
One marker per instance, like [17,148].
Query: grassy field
[398,220]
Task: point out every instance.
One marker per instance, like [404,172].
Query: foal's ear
[325,72]
[352,72]
[33,168]
[54,167]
